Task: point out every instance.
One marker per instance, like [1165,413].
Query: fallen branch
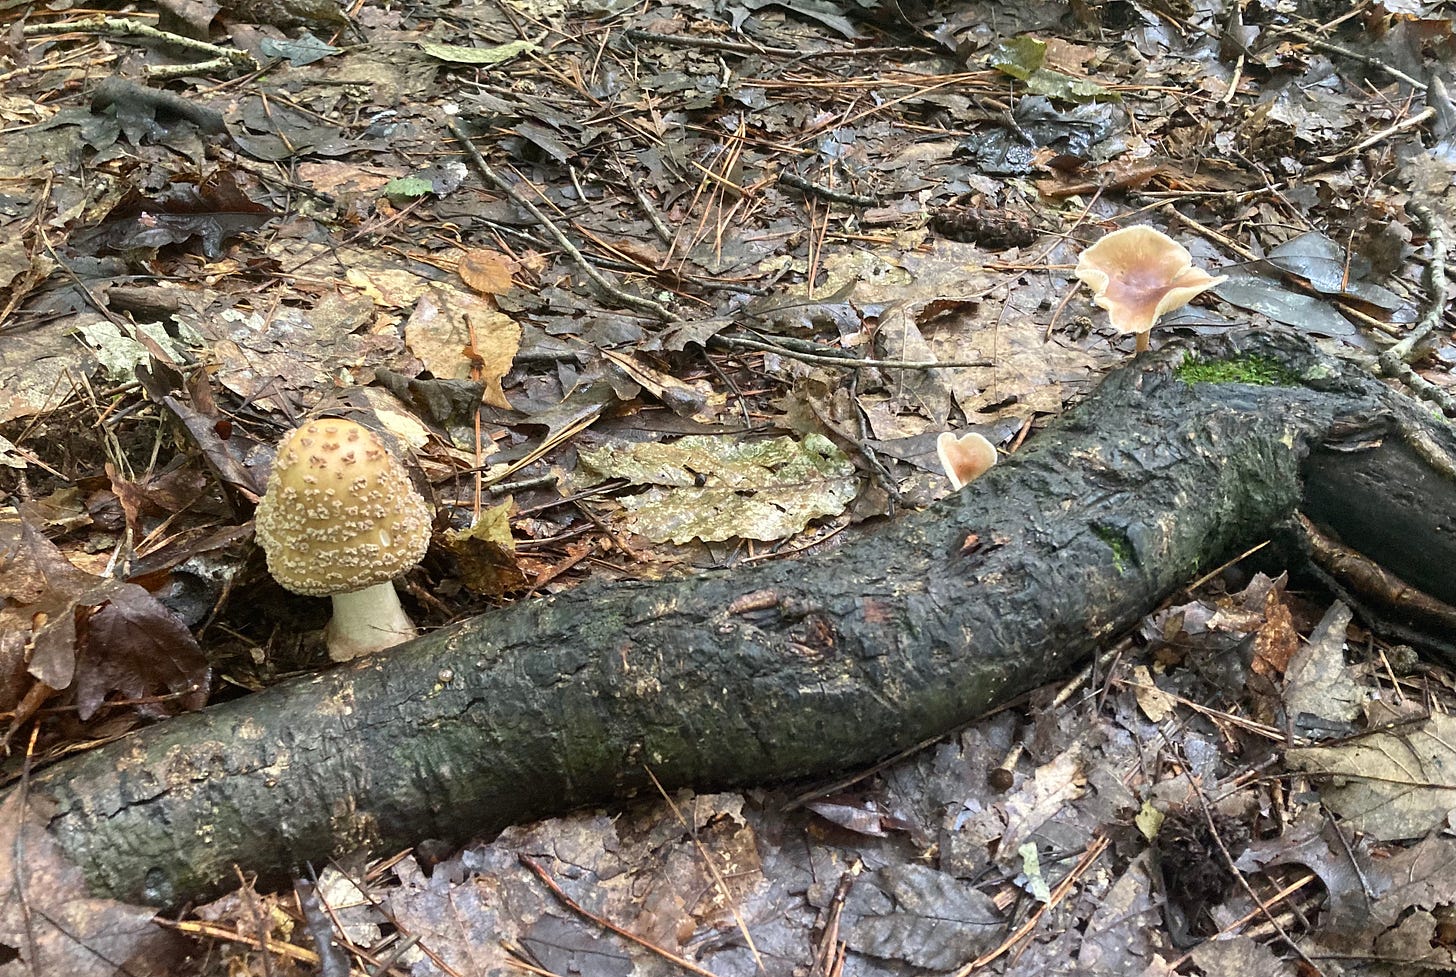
[220,58]
[753,675]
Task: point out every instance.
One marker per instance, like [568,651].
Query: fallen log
[754,675]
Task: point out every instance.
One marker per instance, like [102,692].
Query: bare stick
[848,362]
[1395,362]
[1365,59]
[1386,133]
[597,278]
[126,27]
[1435,282]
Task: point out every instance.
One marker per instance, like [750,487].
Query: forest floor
[585,264]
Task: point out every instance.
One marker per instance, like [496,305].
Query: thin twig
[877,468]
[588,269]
[1223,240]
[1435,282]
[708,863]
[1365,59]
[1379,137]
[1089,858]
[664,233]
[846,362]
[1243,881]
[707,43]
[827,193]
[605,923]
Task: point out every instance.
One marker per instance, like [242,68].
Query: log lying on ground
[759,674]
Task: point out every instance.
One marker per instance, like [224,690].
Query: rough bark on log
[753,675]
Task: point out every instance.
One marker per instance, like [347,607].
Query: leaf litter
[861,224]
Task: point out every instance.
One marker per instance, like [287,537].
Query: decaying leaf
[460,54]
[102,635]
[486,553]
[719,487]
[1392,783]
[1156,704]
[40,589]
[1120,933]
[460,336]
[695,400]
[488,272]
[47,915]
[1394,904]
[121,349]
[1318,683]
[1055,784]
[211,212]
[133,645]
[1024,58]
[924,917]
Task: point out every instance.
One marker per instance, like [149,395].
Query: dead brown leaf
[47,915]
[488,272]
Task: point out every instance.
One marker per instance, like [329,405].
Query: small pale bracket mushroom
[340,518]
[966,458]
[1139,274]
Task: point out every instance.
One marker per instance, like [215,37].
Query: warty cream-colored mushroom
[340,519]
[966,458]
[1139,274]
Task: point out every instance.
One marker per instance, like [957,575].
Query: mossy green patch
[1258,370]
[1120,545]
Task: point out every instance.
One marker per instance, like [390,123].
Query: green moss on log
[1261,371]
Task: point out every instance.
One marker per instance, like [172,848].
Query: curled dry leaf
[91,633]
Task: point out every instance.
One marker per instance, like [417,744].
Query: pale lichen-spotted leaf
[717,487]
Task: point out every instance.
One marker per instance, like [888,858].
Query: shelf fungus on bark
[1139,274]
[966,458]
[340,519]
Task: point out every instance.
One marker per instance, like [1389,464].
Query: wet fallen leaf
[1391,783]
[133,645]
[1318,685]
[924,917]
[47,916]
[211,212]
[101,634]
[1041,798]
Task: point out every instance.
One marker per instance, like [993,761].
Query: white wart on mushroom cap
[339,513]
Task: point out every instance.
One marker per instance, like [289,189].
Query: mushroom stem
[366,621]
[1142,342]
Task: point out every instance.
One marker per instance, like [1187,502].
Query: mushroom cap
[966,458]
[339,513]
[1139,274]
